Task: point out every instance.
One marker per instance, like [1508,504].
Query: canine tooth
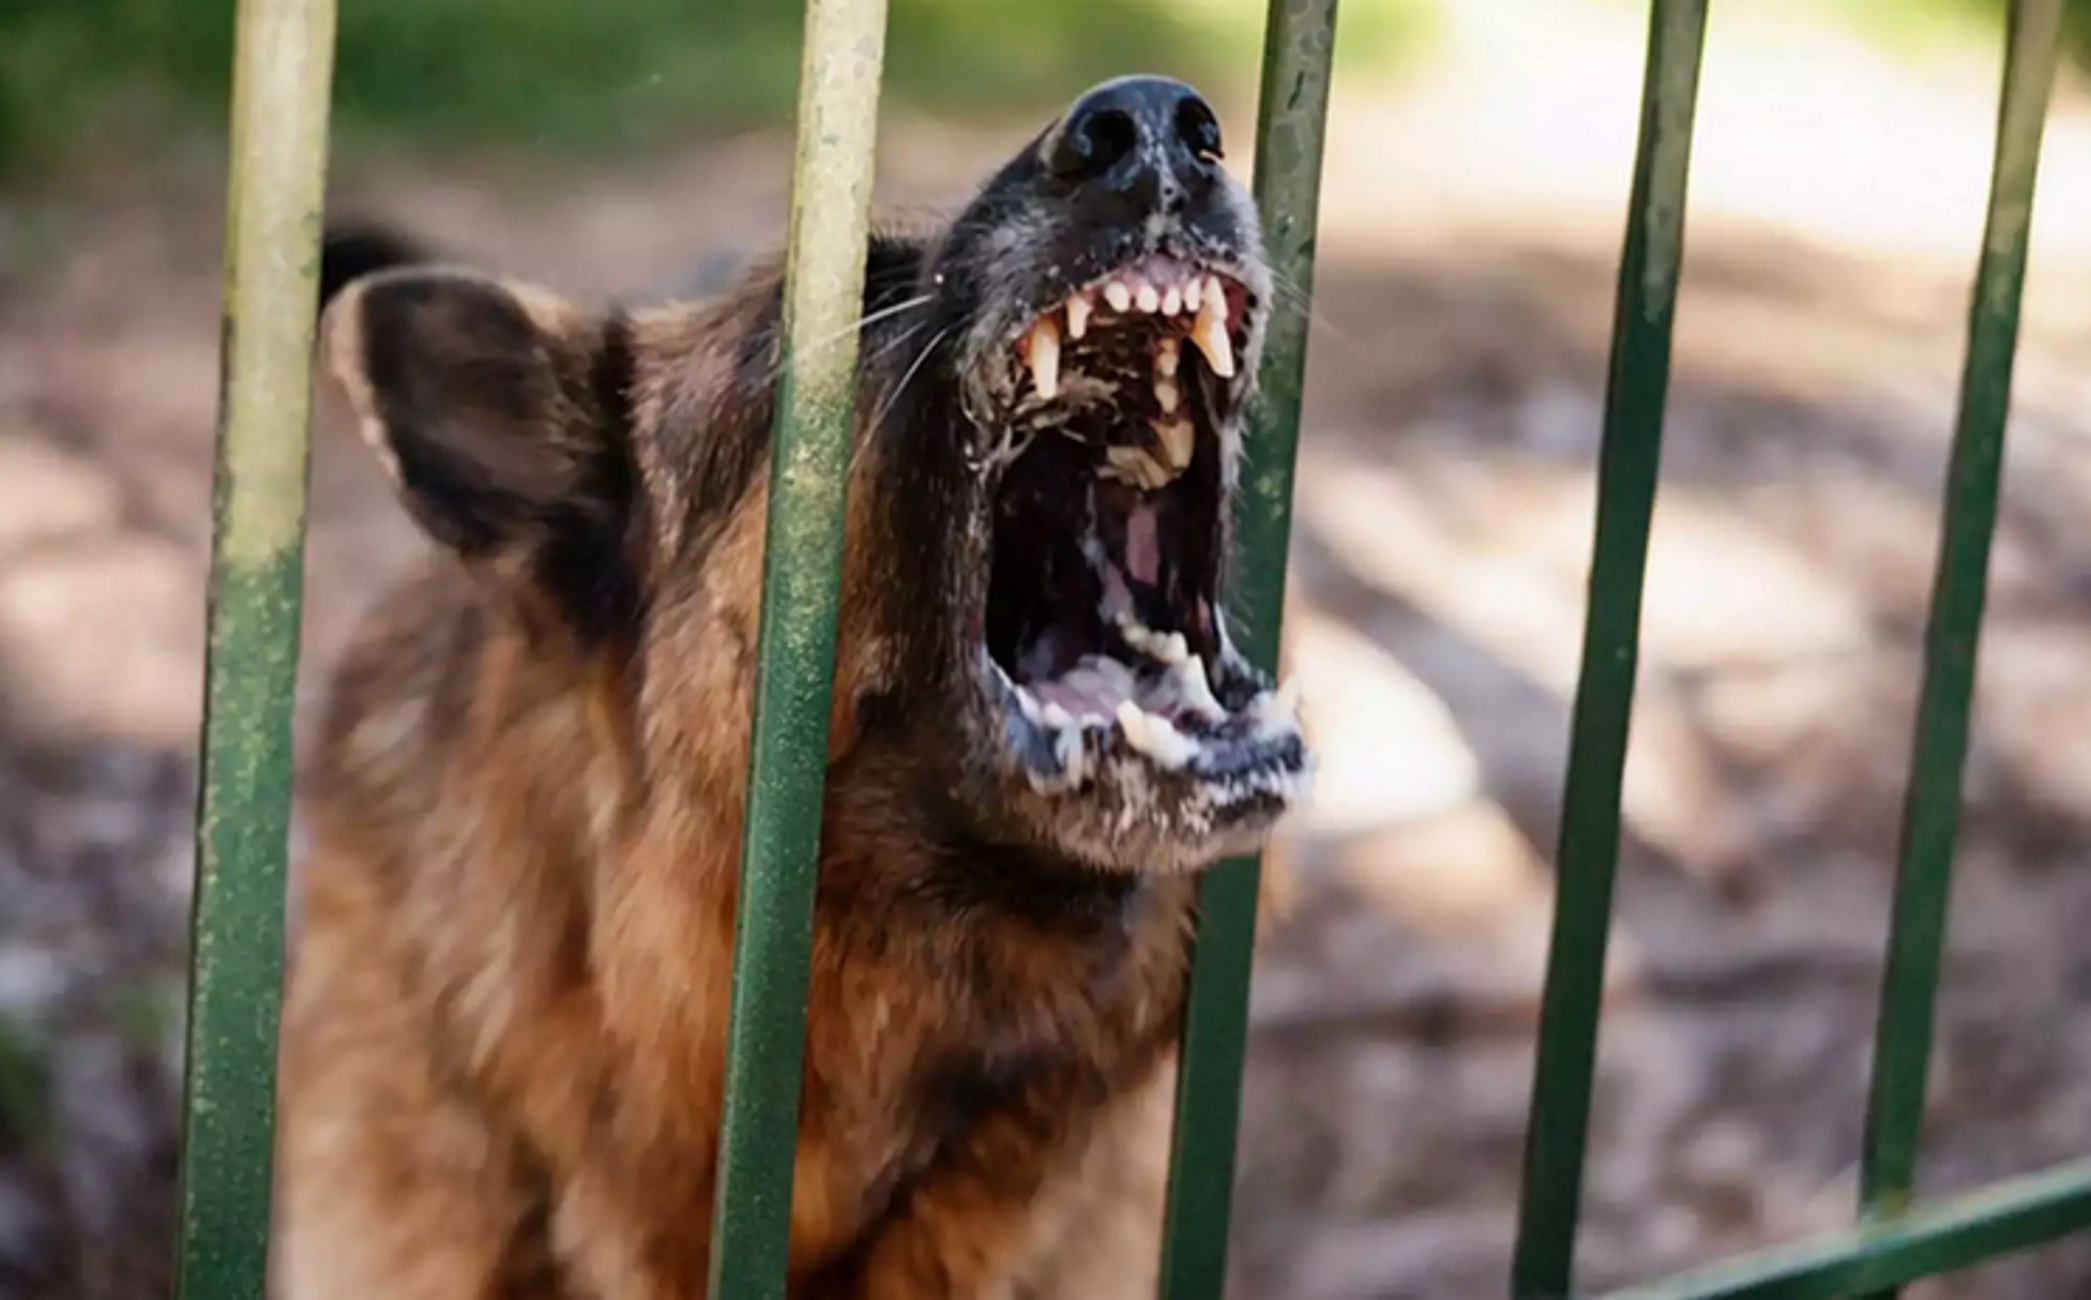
[1167,356]
[1148,298]
[1078,309]
[1056,717]
[1042,348]
[1171,648]
[1193,289]
[1179,440]
[1172,301]
[1168,395]
[1210,335]
[1118,296]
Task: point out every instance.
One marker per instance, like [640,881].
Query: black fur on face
[1058,407]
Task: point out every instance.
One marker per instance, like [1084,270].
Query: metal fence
[279,137]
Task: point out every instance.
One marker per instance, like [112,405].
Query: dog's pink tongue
[1143,546]
[1093,688]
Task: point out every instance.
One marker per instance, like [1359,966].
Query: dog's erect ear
[502,414]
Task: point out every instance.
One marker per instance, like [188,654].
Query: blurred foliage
[1934,23]
[88,84]
[91,86]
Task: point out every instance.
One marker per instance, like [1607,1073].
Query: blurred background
[1476,176]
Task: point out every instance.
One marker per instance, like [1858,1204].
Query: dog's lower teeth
[1167,395]
[1167,356]
[1155,736]
[1197,688]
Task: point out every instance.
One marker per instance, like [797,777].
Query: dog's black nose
[1147,140]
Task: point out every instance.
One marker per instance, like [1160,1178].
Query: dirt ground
[1445,497]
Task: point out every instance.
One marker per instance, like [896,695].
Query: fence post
[1931,808]
[1637,387]
[794,676]
[1292,115]
[283,70]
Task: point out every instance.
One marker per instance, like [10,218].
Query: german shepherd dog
[505,1031]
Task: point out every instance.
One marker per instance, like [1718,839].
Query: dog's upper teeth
[1209,333]
[1042,352]
[1118,296]
[1167,352]
[1147,298]
[1078,309]
[1172,301]
[1193,289]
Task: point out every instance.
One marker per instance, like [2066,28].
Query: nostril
[1094,140]
[1198,129]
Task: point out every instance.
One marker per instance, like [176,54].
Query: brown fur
[508,1017]
[504,1037]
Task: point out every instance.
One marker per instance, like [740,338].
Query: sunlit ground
[1471,223]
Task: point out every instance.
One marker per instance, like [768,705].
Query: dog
[505,1029]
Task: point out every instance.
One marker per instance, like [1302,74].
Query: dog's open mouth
[1102,618]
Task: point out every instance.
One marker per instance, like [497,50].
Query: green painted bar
[1931,812]
[1299,41]
[1588,858]
[823,296]
[2006,1217]
[282,75]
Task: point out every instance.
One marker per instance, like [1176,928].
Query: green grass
[88,85]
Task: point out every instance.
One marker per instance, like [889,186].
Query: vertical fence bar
[1931,809]
[283,70]
[1637,387]
[1292,114]
[787,765]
